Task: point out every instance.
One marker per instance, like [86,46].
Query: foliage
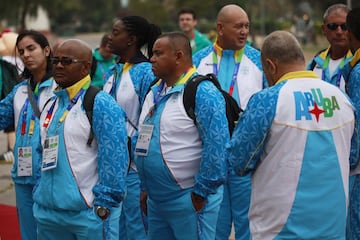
[97,15]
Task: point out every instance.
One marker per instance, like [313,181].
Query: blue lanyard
[113,85]
[235,73]
[158,96]
[68,108]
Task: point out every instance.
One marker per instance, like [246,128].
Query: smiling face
[33,56]
[233,29]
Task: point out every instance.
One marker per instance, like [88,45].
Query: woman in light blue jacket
[22,106]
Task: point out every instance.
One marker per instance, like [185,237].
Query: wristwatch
[102,212]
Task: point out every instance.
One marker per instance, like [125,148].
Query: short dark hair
[353,22]
[104,40]
[187,10]
[178,40]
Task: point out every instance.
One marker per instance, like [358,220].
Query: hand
[143,202]
[198,201]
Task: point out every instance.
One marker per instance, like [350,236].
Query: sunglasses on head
[65,60]
[334,26]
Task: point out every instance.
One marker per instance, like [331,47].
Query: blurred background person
[187,23]
[10,69]
[103,59]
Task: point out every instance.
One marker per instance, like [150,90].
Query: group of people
[135,165]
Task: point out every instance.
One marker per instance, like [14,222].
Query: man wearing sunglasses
[81,185]
[328,63]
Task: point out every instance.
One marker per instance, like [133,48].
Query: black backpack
[88,104]
[232,108]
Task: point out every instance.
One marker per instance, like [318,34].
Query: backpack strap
[232,108]
[190,94]
[88,104]
[93,66]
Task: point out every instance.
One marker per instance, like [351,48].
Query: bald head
[232,26]
[73,63]
[79,48]
[228,11]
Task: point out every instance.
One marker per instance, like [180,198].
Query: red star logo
[316,111]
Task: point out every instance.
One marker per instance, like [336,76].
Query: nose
[26,53]
[152,59]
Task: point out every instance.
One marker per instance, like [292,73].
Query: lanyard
[102,69]
[236,69]
[182,79]
[113,85]
[25,110]
[339,73]
[71,104]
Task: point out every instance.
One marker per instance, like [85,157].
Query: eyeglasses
[65,60]
[334,26]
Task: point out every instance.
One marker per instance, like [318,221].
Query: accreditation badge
[50,153]
[24,167]
[143,141]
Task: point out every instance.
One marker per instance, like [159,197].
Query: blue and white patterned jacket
[13,109]
[85,175]
[297,138]
[183,155]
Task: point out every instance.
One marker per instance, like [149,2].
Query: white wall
[39,23]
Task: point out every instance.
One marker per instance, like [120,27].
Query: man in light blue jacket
[181,164]
[82,184]
[299,141]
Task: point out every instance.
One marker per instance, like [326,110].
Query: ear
[85,69]
[219,28]
[47,51]
[271,65]
[132,40]
[179,54]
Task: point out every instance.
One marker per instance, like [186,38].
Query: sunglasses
[334,26]
[65,60]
